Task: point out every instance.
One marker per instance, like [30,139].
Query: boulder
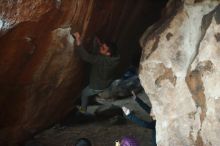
[179,70]
[40,74]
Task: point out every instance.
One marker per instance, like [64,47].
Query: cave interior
[35,101]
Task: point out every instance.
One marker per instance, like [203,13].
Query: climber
[103,63]
[136,120]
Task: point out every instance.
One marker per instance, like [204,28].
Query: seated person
[138,121]
[120,88]
[103,66]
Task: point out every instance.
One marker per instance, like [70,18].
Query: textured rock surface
[180,72]
[14,12]
[39,72]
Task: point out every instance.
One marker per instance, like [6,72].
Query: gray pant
[85,96]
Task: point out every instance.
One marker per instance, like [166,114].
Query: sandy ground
[100,132]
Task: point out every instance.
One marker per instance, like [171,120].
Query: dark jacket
[102,68]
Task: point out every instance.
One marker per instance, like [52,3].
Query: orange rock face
[40,75]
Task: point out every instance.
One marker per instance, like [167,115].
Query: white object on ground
[126,110]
